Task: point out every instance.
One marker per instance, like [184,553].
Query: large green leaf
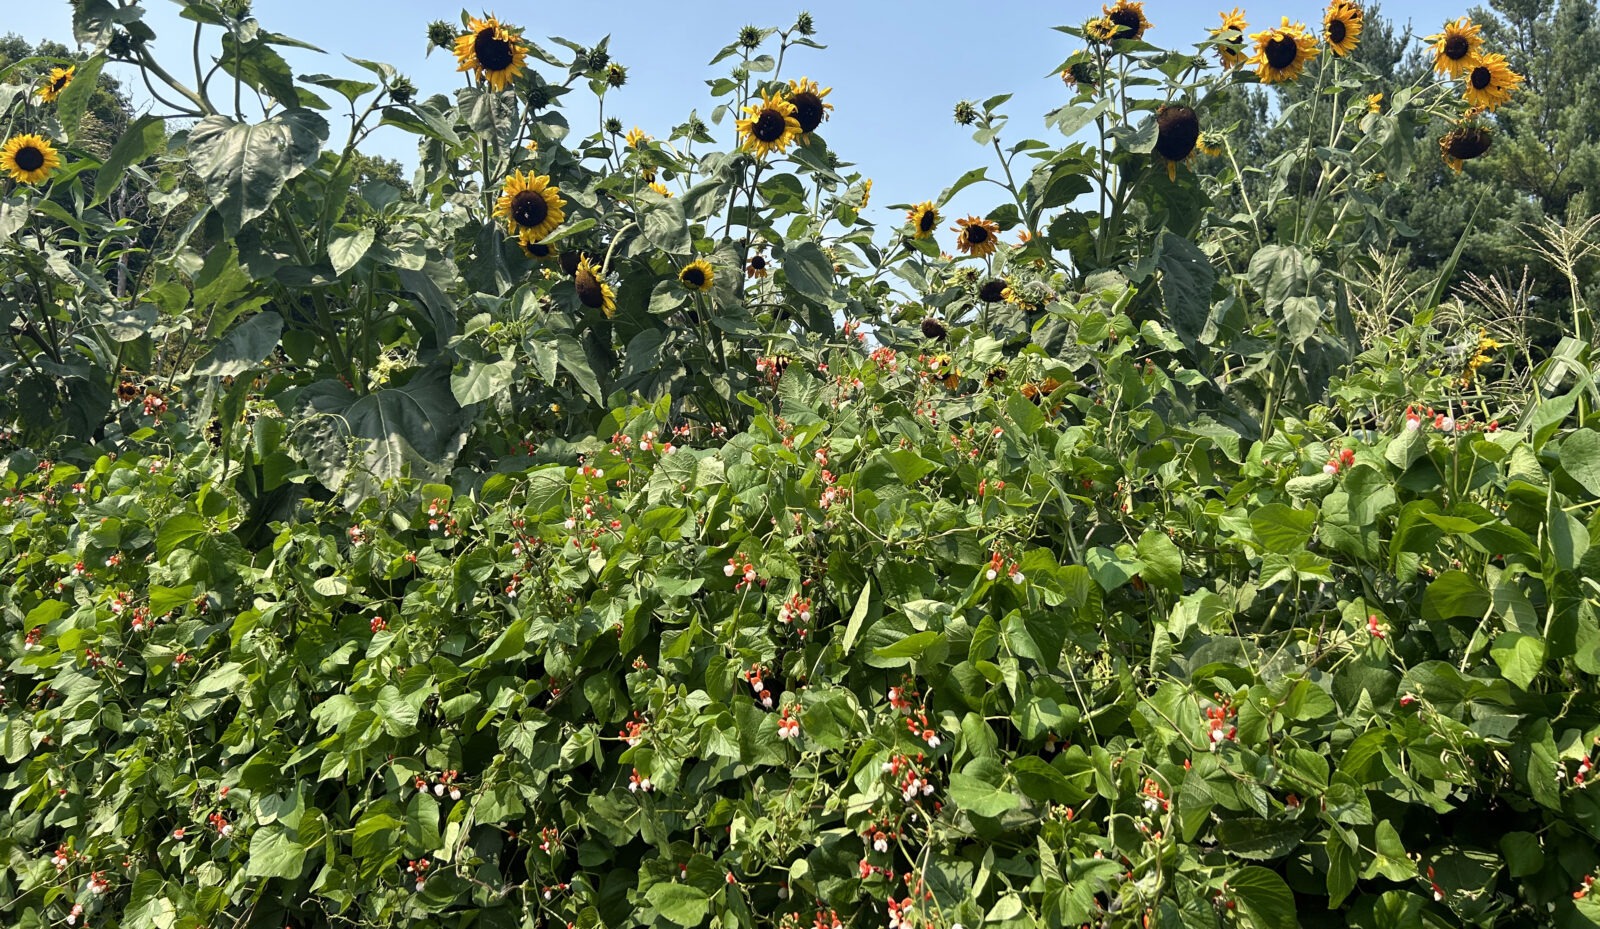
[415,424]
[1186,281]
[242,348]
[1265,897]
[245,165]
[74,101]
[808,269]
[144,137]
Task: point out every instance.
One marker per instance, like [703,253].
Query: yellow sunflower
[1282,52]
[978,236]
[1128,17]
[492,51]
[593,291]
[809,108]
[57,82]
[1375,102]
[768,126]
[1456,47]
[29,159]
[1230,38]
[660,188]
[924,219]
[532,208]
[538,251]
[1177,136]
[1341,26]
[1100,29]
[1490,82]
[1466,141]
[697,275]
[636,138]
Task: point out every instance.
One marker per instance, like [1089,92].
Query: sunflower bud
[598,59]
[933,329]
[616,74]
[121,45]
[441,34]
[538,97]
[966,113]
[613,125]
[401,89]
[804,24]
[750,37]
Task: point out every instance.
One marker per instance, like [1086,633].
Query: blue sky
[897,67]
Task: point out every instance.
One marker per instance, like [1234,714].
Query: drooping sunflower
[978,236]
[1341,26]
[992,290]
[924,219]
[57,82]
[1375,102]
[532,208]
[29,159]
[697,275]
[593,291]
[1490,82]
[1080,72]
[809,107]
[1230,38]
[1466,141]
[636,137]
[660,188]
[491,51]
[1282,52]
[768,126]
[757,268]
[1128,17]
[1456,47]
[1177,135]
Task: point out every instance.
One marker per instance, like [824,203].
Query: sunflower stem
[149,65]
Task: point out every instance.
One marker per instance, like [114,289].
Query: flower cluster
[756,678]
[788,725]
[741,566]
[638,784]
[1219,722]
[1344,459]
[418,868]
[998,564]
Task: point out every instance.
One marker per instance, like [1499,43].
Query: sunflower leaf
[245,165]
[72,103]
[144,136]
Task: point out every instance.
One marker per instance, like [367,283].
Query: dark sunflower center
[1467,145]
[1282,51]
[1455,47]
[1481,78]
[927,221]
[1178,131]
[29,158]
[992,291]
[539,250]
[1127,22]
[60,82]
[1336,32]
[807,110]
[694,277]
[770,126]
[494,53]
[977,235]
[529,209]
[588,287]
[758,263]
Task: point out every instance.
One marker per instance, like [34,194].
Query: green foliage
[1182,563]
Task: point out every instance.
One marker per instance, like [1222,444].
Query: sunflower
[1101,29]
[757,268]
[924,219]
[992,290]
[29,159]
[697,275]
[809,108]
[1128,17]
[660,188]
[531,207]
[538,251]
[1177,135]
[57,82]
[1375,102]
[492,51]
[978,236]
[1490,82]
[866,193]
[1230,38]
[1341,26]
[1456,47]
[592,289]
[768,126]
[1465,142]
[636,138]
[1282,52]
